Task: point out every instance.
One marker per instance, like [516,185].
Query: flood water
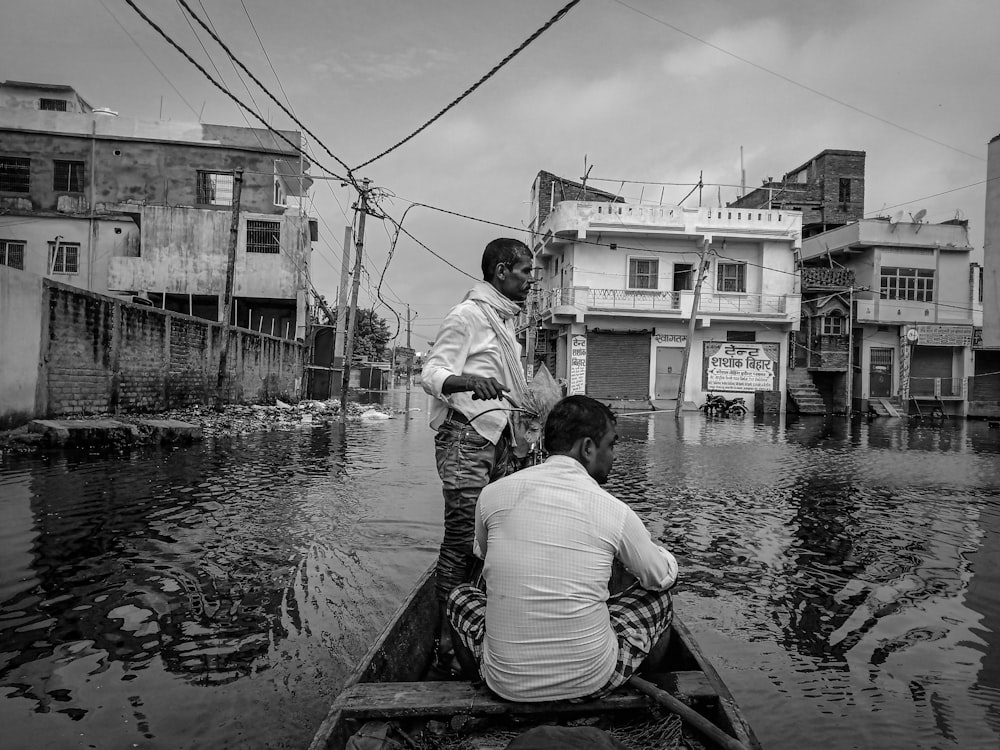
[844,577]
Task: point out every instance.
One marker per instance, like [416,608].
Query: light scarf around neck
[498,310]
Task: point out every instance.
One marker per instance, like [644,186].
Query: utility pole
[362,206]
[341,318]
[409,360]
[227,300]
[705,242]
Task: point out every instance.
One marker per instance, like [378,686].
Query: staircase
[803,394]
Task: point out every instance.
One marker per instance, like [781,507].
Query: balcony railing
[937,387]
[579,300]
[632,299]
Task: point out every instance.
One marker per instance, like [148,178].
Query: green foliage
[371,333]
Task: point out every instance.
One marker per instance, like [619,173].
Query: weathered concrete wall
[100,355]
[20,344]
[185,251]
[133,161]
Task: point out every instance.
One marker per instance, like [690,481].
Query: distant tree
[371,333]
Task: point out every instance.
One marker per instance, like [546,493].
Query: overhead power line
[792,81]
[262,87]
[561,12]
[150,59]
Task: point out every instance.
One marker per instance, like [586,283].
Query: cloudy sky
[644,90]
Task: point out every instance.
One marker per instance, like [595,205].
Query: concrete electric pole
[362,206]
[227,299]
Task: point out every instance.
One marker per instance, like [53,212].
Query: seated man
[546,627]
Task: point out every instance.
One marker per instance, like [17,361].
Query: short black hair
[503,250]
[576,417]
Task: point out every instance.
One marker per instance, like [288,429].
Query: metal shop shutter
[931,362]
[618,365]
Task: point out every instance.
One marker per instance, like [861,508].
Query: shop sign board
[577,365]
[740,367]
[942,335]
[671,339]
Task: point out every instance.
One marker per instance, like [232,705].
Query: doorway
[880,373]
[668,371]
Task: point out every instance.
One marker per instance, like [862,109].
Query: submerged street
[841,575]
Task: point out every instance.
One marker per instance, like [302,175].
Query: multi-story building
[986,386]
[915,297]
[143,210]
[611,314]
[829,190]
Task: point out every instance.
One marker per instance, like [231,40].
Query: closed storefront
[930,366]
[618,365]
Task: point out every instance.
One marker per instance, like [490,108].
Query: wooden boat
[387,686]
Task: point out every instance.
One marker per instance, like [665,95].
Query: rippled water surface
[844,577]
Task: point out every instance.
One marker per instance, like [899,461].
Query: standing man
[474,361]
[546,627]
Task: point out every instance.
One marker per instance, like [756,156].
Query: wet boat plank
[376,700]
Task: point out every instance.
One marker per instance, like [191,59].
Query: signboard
[577,365]
[740,367]
[935,335]
[671,339]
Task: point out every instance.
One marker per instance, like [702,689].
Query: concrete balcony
[572,304]
[897,312]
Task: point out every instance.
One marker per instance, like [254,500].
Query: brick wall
[104,355]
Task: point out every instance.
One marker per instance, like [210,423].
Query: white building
[916,302]
[612,311]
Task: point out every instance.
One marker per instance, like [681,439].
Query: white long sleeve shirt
[549,535]
[466,345]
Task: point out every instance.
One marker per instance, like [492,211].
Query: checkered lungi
[639,618]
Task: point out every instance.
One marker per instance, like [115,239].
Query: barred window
[65,257]
[913,284]
[54,105]
[15,172]
[215,188]
[12,253]
[643,273]
[68,176]
[263,236]
[731,277]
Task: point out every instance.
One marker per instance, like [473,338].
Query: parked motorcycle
[721,406]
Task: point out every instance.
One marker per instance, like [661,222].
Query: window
[845,190]
[833,325]
[643,273]
[65,257]
[12,253]
[53,105]
[732,277]
[215,188]
[14,174]
[263,236]
[68,177]
[913,284]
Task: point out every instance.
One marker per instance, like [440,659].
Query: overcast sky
[645,90]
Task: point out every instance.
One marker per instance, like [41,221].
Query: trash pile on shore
[241,419]
[223,420]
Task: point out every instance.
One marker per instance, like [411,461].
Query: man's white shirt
[549,535]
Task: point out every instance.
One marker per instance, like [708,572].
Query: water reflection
[843,575]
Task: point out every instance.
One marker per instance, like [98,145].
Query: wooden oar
[687,713]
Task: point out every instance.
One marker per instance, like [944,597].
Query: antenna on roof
[918,219]
[586,174]
[894,220]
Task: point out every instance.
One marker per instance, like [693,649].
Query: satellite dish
[919,215]
[896,217]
